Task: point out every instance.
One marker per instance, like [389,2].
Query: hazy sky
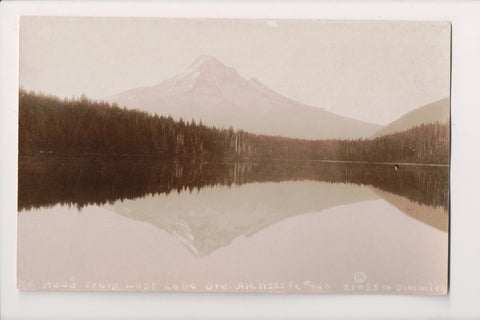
[373,71]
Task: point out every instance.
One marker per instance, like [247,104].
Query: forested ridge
[78,127]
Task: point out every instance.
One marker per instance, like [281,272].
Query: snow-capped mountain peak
[214,93]
[204,70]
[204,61]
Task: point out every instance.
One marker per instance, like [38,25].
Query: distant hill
[217,95]
[438,111]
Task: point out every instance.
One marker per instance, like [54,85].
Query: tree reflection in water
[47,181]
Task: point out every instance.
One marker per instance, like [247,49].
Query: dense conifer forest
[82,127]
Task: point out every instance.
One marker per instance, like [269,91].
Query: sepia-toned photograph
[233,155]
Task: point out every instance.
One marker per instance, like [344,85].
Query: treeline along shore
[79,127]
[80,152]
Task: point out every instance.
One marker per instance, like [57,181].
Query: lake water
[250,227]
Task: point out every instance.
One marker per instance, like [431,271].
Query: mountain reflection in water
[213,217]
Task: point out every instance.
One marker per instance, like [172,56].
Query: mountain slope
[217,95]
[438,111]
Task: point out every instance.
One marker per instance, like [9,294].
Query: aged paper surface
[233,155]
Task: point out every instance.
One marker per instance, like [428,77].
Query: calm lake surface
[141,224]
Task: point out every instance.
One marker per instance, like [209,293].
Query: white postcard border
[464,294]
